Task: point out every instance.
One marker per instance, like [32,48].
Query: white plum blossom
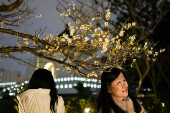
[133,23]
[162,50]
[121,33]
[82,27]
[146,45]
[107,40]
[129,25]
[86,39]
[132,38]
[72,32]
[113,39]
[93,19]
[106,24]
[100,39]
[107,16]
[105,46]
[69,40]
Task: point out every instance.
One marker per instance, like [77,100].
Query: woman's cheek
[119,86]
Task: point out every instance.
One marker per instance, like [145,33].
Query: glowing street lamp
[87,110]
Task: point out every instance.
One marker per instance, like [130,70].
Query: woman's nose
[125,84]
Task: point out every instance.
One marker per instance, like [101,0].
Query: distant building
[9,80]
[8,77]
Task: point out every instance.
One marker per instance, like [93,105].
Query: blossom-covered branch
[91,46]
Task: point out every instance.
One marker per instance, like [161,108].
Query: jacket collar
[34,91]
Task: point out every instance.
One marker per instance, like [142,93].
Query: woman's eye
[118,82]
[124,80]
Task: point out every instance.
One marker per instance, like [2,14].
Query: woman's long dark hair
[43,78]
[105,101]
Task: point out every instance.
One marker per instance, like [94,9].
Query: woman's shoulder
[142,108]
[60,105]
[60,100]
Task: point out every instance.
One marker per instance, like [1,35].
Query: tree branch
[11,7]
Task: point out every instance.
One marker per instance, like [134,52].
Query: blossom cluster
[90,38]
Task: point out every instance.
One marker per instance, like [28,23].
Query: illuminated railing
[61,83]
[76,79]
[7,83]
[66,86]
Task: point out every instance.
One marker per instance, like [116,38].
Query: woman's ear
[108,89]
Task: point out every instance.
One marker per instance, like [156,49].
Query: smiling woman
[118,88]
[114,96]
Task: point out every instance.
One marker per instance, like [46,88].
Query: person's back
[38,101]
[41,95]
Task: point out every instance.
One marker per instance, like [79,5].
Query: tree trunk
[140,74]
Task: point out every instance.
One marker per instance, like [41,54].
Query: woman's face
[119,88]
